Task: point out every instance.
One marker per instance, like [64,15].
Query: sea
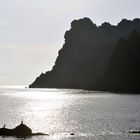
[88,115]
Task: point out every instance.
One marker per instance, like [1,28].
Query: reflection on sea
[60,112]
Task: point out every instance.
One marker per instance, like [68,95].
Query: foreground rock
[21,130]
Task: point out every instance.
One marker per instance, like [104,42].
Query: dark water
[58,112]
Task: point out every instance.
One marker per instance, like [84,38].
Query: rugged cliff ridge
[84,57]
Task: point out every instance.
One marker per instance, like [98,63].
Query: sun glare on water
[38,106]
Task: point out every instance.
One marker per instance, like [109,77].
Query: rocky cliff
[123,71]
[84,57]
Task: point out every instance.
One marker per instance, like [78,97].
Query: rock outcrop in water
[21,131]
[84,57]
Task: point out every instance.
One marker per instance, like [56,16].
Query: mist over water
[59,112]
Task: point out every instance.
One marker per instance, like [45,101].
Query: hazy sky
[32,31]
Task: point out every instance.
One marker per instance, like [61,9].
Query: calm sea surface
[59,112]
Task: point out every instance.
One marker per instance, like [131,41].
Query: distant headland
[105,57]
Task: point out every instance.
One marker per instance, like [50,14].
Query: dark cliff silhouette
[123,72]
[84,57]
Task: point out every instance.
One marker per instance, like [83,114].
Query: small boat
[134,132]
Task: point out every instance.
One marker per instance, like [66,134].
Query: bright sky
[32,31]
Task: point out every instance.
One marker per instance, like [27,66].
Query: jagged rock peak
[87,23]
[105,25]
[82,23]
[137,20]
[126,21]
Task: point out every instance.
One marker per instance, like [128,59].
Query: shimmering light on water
[89,115]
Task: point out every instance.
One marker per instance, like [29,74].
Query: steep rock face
[123,72]
[84,56]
